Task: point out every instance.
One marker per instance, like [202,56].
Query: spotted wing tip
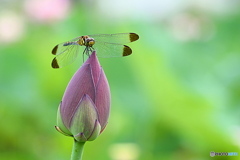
[54,51]
[55,63]
[127,50]
[133,37]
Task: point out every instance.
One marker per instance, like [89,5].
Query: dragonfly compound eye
[91,43]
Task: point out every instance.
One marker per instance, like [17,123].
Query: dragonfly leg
[85,52]
[91,49]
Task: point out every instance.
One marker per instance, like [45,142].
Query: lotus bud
[84,110]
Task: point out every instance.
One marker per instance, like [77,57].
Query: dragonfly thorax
[86,41]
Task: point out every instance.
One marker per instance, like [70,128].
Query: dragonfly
[106,45]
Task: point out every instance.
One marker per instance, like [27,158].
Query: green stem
[77,150]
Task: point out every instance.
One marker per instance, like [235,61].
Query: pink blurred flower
[84,110]
[12,27]
[46,10]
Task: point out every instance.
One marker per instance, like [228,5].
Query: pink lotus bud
[84,110]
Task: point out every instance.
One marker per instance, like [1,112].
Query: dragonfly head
[86,41]
[89,42]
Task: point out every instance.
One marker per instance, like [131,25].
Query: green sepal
[80,137]
[96,131]
[60,126]
[83,125]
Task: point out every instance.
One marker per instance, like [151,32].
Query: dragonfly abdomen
[70,43]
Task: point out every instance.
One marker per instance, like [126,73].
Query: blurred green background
[175,98]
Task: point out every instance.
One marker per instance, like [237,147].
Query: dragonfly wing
[66,57]
[107,50]
[118,38]
[62,47]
